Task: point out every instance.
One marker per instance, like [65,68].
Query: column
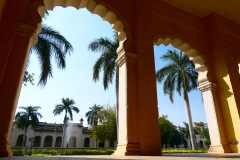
[213,118]
[42,140]
[128,140]
[11,83]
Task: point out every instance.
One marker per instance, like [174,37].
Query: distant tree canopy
[169,133]
[28,77]
[202,129]
[107,128]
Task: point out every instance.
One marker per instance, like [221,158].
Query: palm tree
[28,117]
[50,43]
[180,75]
[93,115]
[106,62]
[67,106]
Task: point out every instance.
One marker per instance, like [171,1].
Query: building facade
[50,135]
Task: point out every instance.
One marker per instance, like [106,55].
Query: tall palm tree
[106,62]
[50,43]
[29,117]
[179,75]
[66,106]
[93,115]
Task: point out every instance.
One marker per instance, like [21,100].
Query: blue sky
[80,27]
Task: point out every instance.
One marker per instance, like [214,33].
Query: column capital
[126,56]
[26,29]
[206,86]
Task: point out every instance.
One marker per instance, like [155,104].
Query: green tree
[202,129]
[29,117]
[66,106]
[93,115]
[107,129]
[28,78]
[50,43]
[169,134]
[179,75]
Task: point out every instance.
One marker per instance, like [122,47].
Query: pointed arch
[188,50]
[91,6]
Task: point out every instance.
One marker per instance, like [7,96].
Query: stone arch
[86,142]
[37,142]
[101,144]
[48,141]
[72,142]
[19,141]
[188,50]
[58,142]
[91,6]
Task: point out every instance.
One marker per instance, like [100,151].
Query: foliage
[106,61]
[107,130]
[93,114]
[64,152]
[66,106]
[29,117]
[28,78]
[202,129]
[170,150]
[169,133]
[178,75]
[50,43]
[17,152]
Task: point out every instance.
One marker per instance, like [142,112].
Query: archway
[86,142]
[58,142]
[37,142]
[205,86]
[19,141]
[72,142]
[101,144]
[48,141]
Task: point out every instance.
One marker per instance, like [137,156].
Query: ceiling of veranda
[201,8]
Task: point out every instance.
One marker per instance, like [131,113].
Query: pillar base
[129,149]
[219,149]
[5,151]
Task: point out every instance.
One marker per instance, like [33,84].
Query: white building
[51,135]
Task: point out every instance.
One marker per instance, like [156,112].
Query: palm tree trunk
[189,116]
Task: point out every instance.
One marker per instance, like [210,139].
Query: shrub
[17,153]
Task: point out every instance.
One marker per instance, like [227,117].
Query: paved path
[164,157]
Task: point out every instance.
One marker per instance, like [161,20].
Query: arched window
[19,141]
[37,141]
[86,142]
[111,145]
[201,144]
[48,141]
[101,144]
[58,142]
[72,142]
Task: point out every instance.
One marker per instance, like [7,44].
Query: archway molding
[188,50]
[91,6]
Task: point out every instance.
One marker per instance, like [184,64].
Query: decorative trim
[206,86]
[126,56]
[26,29]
